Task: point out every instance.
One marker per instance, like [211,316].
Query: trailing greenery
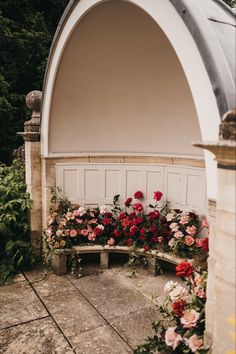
[15,203]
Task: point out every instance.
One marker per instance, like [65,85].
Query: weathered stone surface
[37,337]
[19,304]
[101,340]
[73,313]
[50,284]
[112,296]
[136,327]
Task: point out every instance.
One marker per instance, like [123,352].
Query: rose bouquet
[158,229]
[182,327]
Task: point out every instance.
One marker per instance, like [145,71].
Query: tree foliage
[26,31]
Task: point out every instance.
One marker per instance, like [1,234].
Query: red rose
[205,244]
[126,223]
[128,202]
[97,231]
[157,196]
[152,228]
[134,229]
[122,216]
[184,269]
[138,195]
[142,231]
[138,207]
[146,248]
[139,220]
[116,233]
[106,221]
[108,215]
[129,242]
[154,214]
[132,215]
[178,307]
[142,237]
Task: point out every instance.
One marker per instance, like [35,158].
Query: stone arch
[166,15]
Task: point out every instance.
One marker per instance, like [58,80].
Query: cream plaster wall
[120,88]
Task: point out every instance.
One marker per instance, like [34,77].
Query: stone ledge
[59,260]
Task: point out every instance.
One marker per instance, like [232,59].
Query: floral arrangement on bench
[181,329]
[160,228]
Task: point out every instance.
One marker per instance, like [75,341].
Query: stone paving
[102,313]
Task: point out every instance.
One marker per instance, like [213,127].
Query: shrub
[15,250]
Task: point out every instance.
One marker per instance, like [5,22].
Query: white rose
[169,286]
[178,293]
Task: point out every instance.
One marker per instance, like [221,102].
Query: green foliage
[15,203]
[26,31]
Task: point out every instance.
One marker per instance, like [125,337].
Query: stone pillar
[220,309]
[31,137]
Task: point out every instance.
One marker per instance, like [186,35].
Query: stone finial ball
[33,100]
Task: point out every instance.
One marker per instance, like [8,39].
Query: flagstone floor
[101,313]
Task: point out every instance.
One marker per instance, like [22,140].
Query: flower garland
[160,229]
[182,327]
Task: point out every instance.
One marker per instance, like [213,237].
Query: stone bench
[59,260]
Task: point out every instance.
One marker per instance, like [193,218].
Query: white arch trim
[165,15]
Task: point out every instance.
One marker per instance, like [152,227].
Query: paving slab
[111,295]
[135,327]
[19,304]
[36,337]
[73,313]
[101,340]
[51,284]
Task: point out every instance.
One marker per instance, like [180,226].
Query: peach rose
[189,240]
[59,233]
[173,225]
[172,338]
[178,293]
[198,242]
[184,219]
[191,230]
[178,234]
[190,318]
[194,342]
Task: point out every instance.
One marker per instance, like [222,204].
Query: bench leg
[59,263]
[104,260]
[152,266]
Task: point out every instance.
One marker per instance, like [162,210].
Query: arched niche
[126,77]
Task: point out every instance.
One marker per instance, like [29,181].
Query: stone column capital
[225,148]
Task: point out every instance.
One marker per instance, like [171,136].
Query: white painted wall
[120,88]
[93,184]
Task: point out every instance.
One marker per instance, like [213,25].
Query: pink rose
[191,230]
[160,239]
[189,240]
[190,318]
[205,223]
[198,242]
[84,232]
[172,338]
[59,233]
[111,242]
[200,292]
[171,242]
[194,342]
[73,233]
[146,248]
[91,236]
